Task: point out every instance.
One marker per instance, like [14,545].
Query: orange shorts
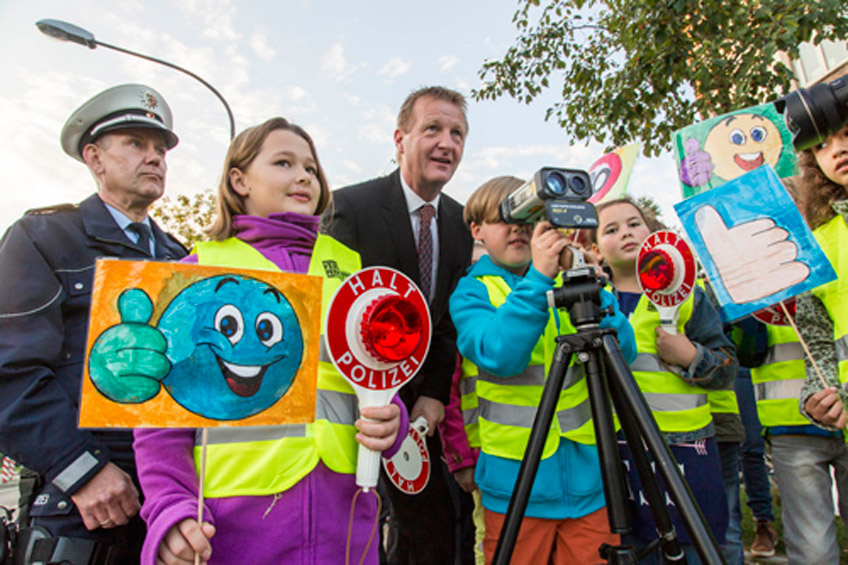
[540,540]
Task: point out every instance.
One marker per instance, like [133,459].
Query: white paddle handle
[367,468]
[368,461]
[669,318]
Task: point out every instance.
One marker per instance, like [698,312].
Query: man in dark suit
[404,221]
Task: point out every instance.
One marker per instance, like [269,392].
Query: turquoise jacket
[500,341]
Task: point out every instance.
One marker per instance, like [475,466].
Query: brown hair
[650,219]
[242,152]
[482,206]
[404,119]
[819,191]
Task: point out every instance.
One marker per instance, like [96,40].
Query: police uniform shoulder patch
[51,209]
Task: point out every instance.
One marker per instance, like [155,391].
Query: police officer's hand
[108,499]
[183,541]
[378,427]
[546,245]
[128,360]
[826,408]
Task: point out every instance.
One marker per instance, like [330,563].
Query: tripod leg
[615,486]
[532,455]
[665,529]
[634,404]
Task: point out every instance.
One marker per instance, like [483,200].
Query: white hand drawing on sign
[755,259]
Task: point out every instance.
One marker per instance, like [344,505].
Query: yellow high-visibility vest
[677,406]
[833,238]
[778,381]
[499,412]
[253,461]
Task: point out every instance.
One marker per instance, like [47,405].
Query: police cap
[119,107]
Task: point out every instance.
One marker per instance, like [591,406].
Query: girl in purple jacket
[270,196]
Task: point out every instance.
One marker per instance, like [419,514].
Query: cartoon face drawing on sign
[742,142]
[226,347]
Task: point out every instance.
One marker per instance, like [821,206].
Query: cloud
[35,110]
[373,132]
[395,67]
[296,93]
[447,62]
[352,166]
[214,16]
[499,157]
[378,124]
[335,65]
[352,99]
[259,43]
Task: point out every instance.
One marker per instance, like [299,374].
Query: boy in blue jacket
[506,333]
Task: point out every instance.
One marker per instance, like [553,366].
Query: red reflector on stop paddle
[656,270]
[391,328]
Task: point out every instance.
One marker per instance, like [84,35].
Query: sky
[340,69]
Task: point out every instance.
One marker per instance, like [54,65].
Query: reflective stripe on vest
[781,352]
[780,390]
[677,405]
[506,406]
[245,461]
[469,403]
[665,402]
[778,381]
[523,416]
[842,348]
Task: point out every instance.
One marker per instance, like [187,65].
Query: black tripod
[608,376]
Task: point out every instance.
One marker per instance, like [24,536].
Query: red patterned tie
[425,248]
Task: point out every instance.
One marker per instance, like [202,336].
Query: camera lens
[579,186]
[555,183]
[814,113]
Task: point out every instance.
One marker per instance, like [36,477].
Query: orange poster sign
[181,345]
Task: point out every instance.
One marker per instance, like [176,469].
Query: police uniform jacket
[47,263]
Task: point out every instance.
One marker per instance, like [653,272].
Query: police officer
[81,498]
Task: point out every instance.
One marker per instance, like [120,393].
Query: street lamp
[64,31]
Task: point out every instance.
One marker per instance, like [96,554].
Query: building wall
[819,63]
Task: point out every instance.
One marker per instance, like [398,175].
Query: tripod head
[580,294]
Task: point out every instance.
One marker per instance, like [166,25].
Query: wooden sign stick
[203,436]
[803,344]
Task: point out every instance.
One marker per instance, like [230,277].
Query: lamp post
[64,31]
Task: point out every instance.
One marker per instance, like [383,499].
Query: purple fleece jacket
[305,524]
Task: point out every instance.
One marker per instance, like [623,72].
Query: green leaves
[637,70]
[186,216]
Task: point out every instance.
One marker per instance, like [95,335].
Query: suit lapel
[447,248]
[399,228]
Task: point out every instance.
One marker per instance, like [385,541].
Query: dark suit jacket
[373,219]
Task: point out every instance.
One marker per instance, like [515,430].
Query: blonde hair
[404,119]
[242,152]
[483,205]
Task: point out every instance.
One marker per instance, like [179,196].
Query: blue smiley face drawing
[232,347]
